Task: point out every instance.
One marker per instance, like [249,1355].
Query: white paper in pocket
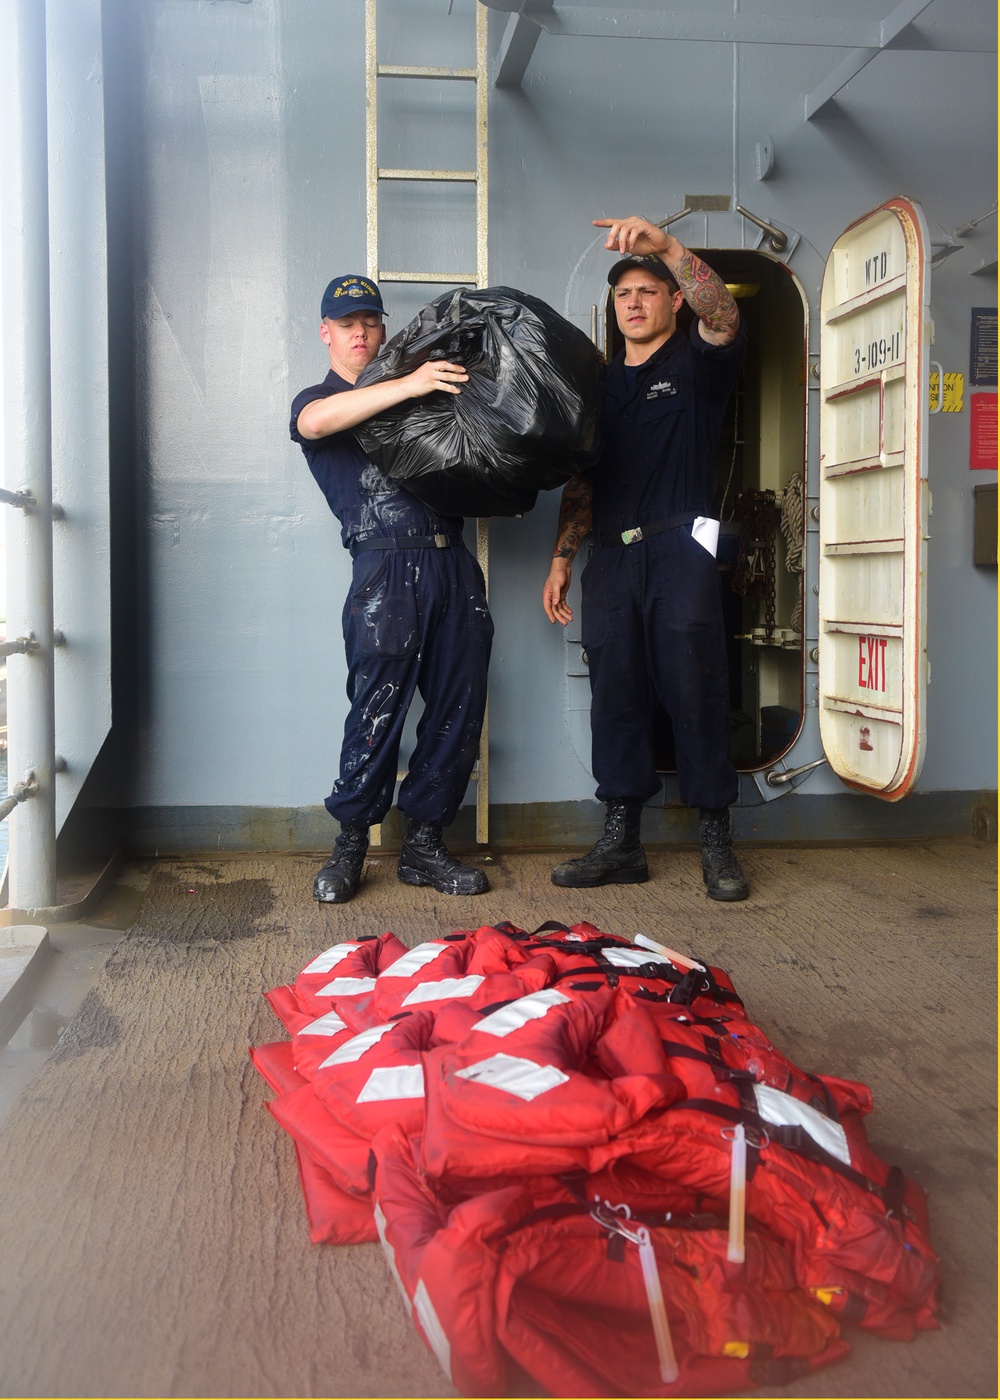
[706,532]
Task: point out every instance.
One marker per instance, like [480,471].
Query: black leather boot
[340,877]
[616,859]
[719,867]
[424,859]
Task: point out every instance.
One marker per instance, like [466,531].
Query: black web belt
[645,532]
[405,542]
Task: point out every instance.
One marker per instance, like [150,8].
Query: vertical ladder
[374,71]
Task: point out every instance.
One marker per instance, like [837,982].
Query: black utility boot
[616,859]
[424,859]
[340,877]
[719,867]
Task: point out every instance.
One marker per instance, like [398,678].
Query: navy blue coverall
[652,621]
[415,619]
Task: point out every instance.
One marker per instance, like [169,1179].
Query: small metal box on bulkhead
[984,519]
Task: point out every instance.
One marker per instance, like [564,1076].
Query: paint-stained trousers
[652,624]
[415,621]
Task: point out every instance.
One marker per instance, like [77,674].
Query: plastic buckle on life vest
[756,1137]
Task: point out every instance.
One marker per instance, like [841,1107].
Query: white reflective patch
[390,1253]
[774,1106]
[354,1048]
[516,1076]
[520,1012]
[413,960]
[393,1082]
[628,957]
[446,990]
[431,1326]
[331,957]
[330,1024]
[347,987]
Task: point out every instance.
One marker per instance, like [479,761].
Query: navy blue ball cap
[644,260]
[348,294]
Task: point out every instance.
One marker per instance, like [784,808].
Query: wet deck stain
[95,1026]
[205,916]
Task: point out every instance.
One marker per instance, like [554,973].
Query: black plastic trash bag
[525,422]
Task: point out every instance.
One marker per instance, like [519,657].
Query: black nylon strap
[688,1052]
[404,542]
[609,540]
[830,1108]
[894,1188]
[741,1079]
[700,982]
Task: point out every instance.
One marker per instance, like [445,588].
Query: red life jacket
[536,1273]
[284,1004]
[856,1227]
[587,957]
[457,1319]
[316,1040]
[551,1082]
[345,971]
[494,1061]
[344,1154]
[482,968]
[377,1077]
[334,1216]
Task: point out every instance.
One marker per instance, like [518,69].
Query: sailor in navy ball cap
[415,617]
[652,621]
[347,295]
[646,263]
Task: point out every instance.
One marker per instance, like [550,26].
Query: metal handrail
[23,500]
[19,793]
[20,647]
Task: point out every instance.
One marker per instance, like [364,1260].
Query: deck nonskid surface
[151,1222]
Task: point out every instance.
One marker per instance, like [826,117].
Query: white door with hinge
[874,382]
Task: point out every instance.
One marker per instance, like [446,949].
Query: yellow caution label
[739,1350]
[954,388]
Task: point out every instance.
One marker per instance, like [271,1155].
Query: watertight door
[874,339]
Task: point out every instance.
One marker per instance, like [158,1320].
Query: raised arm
[339,411]
[703,290]
[574,524]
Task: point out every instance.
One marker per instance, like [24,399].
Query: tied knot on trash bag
[525,422]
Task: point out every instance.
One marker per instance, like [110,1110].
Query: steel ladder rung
[456,176]
[406,70]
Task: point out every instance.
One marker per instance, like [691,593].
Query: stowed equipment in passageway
[582,1157]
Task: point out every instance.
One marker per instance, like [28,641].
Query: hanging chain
[754,573]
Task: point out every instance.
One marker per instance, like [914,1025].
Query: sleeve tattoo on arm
[707,294]
[574,518]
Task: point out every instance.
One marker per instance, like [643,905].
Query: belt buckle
[632,536]
[441,542]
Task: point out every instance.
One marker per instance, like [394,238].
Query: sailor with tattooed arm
[652,622]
